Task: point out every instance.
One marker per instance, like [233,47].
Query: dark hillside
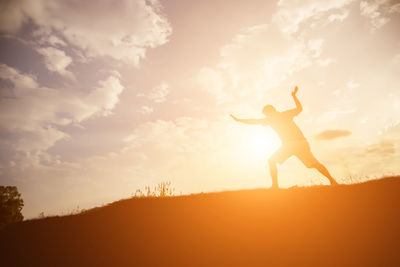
[345,225]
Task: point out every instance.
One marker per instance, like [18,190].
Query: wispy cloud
[145,109]
[377,11]
[332,134]
[57,61]
[291,14]
[158,94]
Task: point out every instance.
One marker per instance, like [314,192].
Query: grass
[349,225]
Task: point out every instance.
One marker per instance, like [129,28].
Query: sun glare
[259,142]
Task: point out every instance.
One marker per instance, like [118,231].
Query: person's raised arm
[299,107]
[249,121]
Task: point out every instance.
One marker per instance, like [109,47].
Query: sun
[259,142]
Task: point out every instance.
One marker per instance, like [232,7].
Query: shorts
[300,149]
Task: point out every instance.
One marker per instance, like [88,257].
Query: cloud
[383,148]
[12,15]
[378,12]
[158,94]
[395,8]
[268,64]
[332,134]
[392,131]
[339,17]
[379,157]
[251,64]
[352,84]
[122,30]
[91,37]
[325,62]
[335,112]
[182,140]
[31,117]
[57,61]
[210,81]
[315,47]
[145,109]
[291,13]
[106,95]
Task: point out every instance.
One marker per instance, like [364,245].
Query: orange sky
[98,101]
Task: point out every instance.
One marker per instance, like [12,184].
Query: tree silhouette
[11,205]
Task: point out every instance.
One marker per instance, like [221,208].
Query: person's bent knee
[313,165]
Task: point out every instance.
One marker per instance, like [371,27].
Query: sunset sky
[100,98]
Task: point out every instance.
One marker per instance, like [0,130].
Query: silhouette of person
[293,141]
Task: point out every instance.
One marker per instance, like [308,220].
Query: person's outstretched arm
[249,121]
[299,107]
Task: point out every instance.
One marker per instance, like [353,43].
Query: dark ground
[345,225]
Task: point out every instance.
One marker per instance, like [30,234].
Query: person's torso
[286,128]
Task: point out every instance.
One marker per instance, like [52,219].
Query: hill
[344,225]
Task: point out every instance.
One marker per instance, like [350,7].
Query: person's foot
[333,182]
[274,187]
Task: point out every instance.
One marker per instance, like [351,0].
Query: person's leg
[274,173]
[324,171]
[280,156]
[307,157]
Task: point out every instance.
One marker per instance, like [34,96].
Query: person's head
[268,110]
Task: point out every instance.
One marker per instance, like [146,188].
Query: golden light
[258,143]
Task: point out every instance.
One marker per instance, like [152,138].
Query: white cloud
[106,96]
[54,40]
[339,17]
[292,13]
[145,109]
[210,81]
[57,61]
[253,64]
[158,94]
[377,11]
[46,37]
[172,137]
[315,45]
[32,115]
[122,30]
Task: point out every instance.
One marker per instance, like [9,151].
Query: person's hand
[295,91]
[233,117]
